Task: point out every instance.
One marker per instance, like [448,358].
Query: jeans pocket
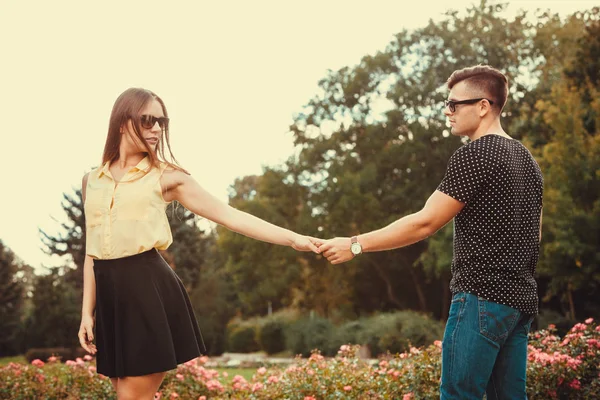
[496,321]
[459,297]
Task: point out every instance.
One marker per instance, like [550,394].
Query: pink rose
[589,320]
[347,388]
[179,376]
[407,396]
[52,359]
[40,378]
[575,384]
[309,398]
[174,395]
[202,398]
[257,386]
[273,379]
[37,362]
[91,368]
[87,357]
[71,363]
[262,371]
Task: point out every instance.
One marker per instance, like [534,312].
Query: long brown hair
[129,106]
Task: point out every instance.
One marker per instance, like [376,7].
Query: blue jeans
[484,350]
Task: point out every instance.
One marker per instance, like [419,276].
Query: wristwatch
[355,247]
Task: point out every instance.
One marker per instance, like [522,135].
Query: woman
[144,324]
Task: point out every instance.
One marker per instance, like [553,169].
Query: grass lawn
[245,372]
[16,359]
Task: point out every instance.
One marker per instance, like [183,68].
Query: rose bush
[559,367]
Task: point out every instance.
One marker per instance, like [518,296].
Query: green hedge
[382,333]
[271,336]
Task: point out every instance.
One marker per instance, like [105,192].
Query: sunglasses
[148,122]
[451,104]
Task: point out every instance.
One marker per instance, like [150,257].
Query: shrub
[565,368]
[348,333]
[271,336]
[396,332]
[242,339]
[308,334]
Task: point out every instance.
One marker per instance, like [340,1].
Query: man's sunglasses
[148,122]
[451,104]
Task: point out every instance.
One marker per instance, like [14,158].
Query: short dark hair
[486,79]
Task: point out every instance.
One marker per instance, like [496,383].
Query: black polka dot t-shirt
[496,234]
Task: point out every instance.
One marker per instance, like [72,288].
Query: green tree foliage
[11,301]
[571,163]
[373,145]
[70,243]
[56,314]
[260,272]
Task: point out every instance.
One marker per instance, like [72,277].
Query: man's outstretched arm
[437,212]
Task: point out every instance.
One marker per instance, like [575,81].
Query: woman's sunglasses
[148,122]
[451,104]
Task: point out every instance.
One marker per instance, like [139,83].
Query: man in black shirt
[493,190]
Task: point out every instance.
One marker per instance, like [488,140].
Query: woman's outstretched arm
[191,195]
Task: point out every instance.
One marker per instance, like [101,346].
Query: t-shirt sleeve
[466,174]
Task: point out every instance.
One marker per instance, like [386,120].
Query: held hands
[306,243]
[337,250]
[86,334]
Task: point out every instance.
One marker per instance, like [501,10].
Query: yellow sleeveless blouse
[127,217]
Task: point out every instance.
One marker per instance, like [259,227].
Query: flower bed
[565,367]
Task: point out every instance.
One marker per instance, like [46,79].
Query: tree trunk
[388,284]
[571,303]
[419,289]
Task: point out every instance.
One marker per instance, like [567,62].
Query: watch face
[355,248]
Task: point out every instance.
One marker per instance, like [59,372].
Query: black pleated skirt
[144,319]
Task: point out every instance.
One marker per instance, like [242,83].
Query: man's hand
[337,250]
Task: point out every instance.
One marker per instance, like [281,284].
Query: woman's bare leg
[139,387]
[115,383]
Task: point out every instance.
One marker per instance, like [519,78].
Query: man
[493,190]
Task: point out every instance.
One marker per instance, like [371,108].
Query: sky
[232,75]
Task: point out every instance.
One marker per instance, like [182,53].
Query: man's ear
[484,108]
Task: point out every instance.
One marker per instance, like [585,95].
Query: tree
[71,242]
[571,161]
[11,301]
[374,144]
[56,314]
[191,246]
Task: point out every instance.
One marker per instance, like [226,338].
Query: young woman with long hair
[134,305]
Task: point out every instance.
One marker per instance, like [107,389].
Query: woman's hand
[306,243]
[86,334]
